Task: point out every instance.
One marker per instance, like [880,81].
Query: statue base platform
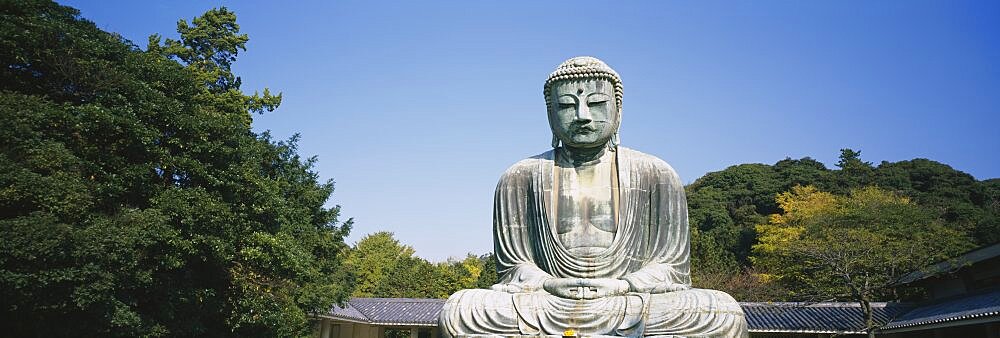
[551,336]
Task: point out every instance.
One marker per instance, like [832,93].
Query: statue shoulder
[526,168]
[659,167]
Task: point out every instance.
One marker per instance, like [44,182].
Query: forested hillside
[730,209]
[725,206]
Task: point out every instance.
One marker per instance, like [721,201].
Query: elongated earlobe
[555,142]
[615,141]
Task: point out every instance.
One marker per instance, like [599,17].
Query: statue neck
[582,156]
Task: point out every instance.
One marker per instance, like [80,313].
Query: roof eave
[804,331]
[403,324]
[950,322]
[352,320]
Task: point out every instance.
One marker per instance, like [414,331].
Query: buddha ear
[616,140]
[555,141]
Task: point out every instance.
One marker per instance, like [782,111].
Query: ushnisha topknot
[584,67]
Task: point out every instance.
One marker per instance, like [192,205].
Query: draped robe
[649,251]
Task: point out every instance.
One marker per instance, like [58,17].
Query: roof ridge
[820,304]
[348,307]
[398,300]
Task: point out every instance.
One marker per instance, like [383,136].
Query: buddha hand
[582,288]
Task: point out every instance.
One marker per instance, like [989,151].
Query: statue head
[583,97]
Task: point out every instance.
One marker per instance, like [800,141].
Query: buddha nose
[583,113]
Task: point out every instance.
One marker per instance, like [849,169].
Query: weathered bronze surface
[591,236]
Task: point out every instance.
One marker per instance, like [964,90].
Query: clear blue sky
[415,108]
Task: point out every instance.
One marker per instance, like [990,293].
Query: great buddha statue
[590,237]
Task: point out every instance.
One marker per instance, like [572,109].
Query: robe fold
[650,251]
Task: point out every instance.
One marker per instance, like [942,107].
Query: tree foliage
[725,206]
[853,247]
[386,268]
[746,285]
[135,200]
[374,259]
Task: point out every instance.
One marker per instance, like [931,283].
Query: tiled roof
[972,257]
[349,313]
[761,317]
[815,317]
[966,307]
[399,311]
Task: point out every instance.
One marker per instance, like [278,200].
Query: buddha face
[583,112]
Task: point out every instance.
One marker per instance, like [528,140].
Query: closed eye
[566,102]
[598,98]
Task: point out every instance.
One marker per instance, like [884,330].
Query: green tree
[723,208]
[135,200]
[373,259]
[709,216]
[854,173]
[958,198]
[384,267]
[453,275]
[850,247]
[745,285]
[489,275]
[987,229]
[412,277]
[803,171]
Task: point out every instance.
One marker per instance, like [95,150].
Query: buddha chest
[585,212]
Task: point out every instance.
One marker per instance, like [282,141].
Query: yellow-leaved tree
[774,238]
[852,248]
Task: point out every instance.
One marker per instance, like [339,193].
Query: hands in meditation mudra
[590,236]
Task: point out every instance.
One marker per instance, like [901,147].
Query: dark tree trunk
[866,307]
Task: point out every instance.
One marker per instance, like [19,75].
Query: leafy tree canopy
[850,247]
[386,268]
[725,207]
[135,200]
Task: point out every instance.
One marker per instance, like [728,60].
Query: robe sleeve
[666,265]
[512,224]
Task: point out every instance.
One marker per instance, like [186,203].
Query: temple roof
[983,306]
[390,311]
[829,317]
[348,312]
[761,317]
[972,257]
